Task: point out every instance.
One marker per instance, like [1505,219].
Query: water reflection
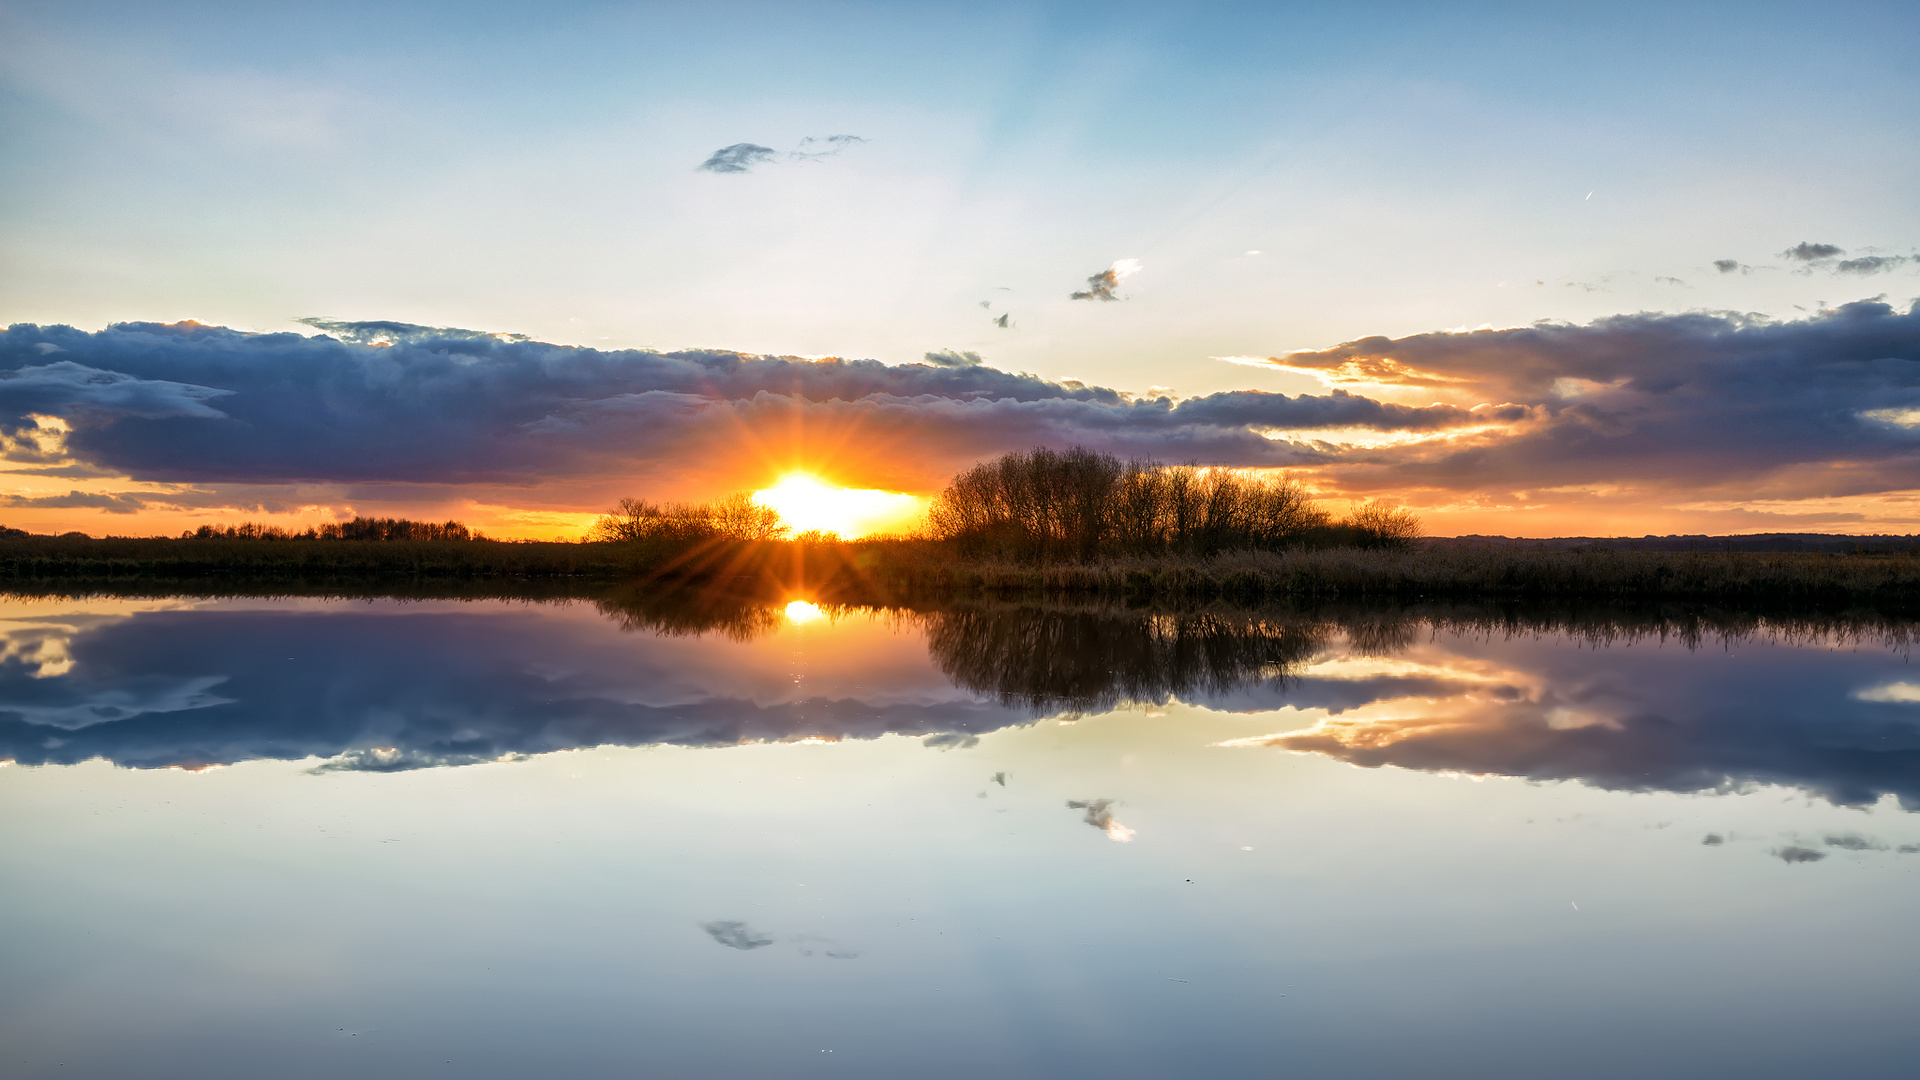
[1092,660]
[1628,700]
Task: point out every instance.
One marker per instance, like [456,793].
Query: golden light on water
[809,504]
[802,612]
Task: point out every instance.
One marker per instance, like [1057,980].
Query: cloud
[1871,264]
[395,759]
[123,503]
[1101,286]
[1728,266]
[736,935]
[738,158]
[391,403]
[1854,842]
[1685,401]
[1714,839]
[1794,853]
[387,332]
[68,389]
[1099,814]
[812,149]
[1002,322]
[743,157]
[953,359]
[1689,402]
[1806,252]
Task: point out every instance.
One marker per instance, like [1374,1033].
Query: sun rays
[809,504]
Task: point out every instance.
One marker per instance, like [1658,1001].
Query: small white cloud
[1896,417]
[1893,693]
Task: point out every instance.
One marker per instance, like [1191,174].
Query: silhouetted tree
[357,529]
[735,517]
[1081,503]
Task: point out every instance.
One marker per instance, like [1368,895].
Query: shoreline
[896,571]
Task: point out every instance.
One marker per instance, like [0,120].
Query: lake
[696,837]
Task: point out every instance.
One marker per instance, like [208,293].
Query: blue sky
[1398,169]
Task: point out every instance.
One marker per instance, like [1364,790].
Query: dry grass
[897,571]
[1349,573]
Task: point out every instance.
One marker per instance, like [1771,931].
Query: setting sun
[802,612]
[807,503]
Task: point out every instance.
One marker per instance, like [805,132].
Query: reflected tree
[1050,659]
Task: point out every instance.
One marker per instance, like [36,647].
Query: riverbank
[906,571]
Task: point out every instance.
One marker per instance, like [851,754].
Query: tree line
[1076,504]
[1081,504]
[735,517]
[358,529]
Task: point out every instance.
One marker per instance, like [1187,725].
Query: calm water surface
[322,838]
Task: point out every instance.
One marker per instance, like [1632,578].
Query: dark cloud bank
[1689,399]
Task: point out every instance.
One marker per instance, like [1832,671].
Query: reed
[896,570]
[1422,572]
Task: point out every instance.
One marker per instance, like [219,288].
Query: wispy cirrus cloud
[738,158]
[745,156]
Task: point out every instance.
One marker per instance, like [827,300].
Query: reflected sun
[807,503]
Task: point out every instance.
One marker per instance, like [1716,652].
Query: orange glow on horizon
[810,504]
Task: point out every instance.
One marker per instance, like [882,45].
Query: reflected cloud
[1794,853]
[1602,696]
[1099,814]
[736,935]
[102,705]
[391,689]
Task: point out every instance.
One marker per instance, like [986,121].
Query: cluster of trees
[1082,504]
[736,517]
[358,529]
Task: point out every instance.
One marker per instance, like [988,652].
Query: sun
[802,612]
[809,504]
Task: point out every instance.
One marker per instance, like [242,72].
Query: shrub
[1379,526]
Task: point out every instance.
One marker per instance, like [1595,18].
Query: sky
[1527,270]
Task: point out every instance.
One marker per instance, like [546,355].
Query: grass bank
[911,571]
[1431,572]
